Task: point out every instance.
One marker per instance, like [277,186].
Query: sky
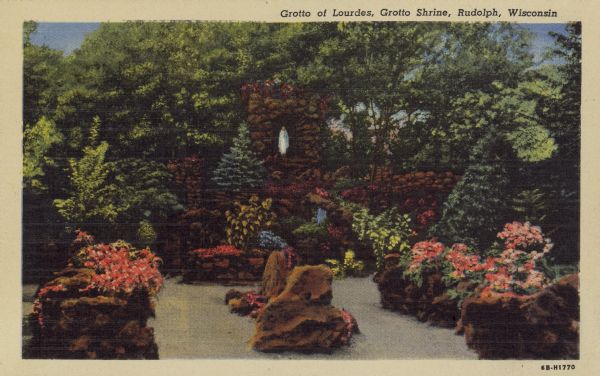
[69,36]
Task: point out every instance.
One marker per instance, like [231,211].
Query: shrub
[311,230]
[268,240]
[508,268]
[146,233]
[120,268]
[247,220]
[287,225]
[349,266]
[386,232]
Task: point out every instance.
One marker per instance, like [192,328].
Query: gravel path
[192,321]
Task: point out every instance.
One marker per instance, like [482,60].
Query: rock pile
[240,268]
[417,181]
[541,326]
[428,302]
[189,174]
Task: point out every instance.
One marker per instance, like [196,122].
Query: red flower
[321,192]
[221,250]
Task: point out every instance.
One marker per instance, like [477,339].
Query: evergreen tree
[240,169]
[477,207]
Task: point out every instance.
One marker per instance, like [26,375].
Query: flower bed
[225,263]
[507,305]
[99,305]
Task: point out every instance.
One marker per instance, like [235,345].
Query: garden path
[192,321]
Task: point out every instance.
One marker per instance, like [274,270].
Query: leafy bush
[38,140]
[507,269]
[386,232]
[530,205]
[247,220]
[287,225]
[268,240]
[105,193]
[146,234]
[347,267]
[311,230]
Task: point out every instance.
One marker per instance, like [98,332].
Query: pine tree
[477,206]
[240,169]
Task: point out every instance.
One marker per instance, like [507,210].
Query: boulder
[301,317]
[274,275]
[540,326]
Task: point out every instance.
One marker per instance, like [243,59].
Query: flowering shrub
[121,268]
[293,191]
[39,299]
[427,217]
[218,251]
[423,253]
[268,240]
[338,233]
[462,263]
[525,237]
[349,266]
[509,269]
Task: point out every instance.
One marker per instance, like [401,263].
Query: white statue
[284,141]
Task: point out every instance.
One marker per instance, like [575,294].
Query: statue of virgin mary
[284,141]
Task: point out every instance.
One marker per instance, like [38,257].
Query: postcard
[256,187]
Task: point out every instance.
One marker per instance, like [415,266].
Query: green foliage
[286,226]
[557,271]
[92,196]
[476,208]
[104,193]
[143,191]
[349,266]
[386,232]
[532,144]
[146,233]
[530,206]
[37,142]
[43,78]
[247,220]
[311,230]
[240,169]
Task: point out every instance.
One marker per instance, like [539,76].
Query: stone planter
[245,268]
[428,302]
[540,326]
[76,325]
